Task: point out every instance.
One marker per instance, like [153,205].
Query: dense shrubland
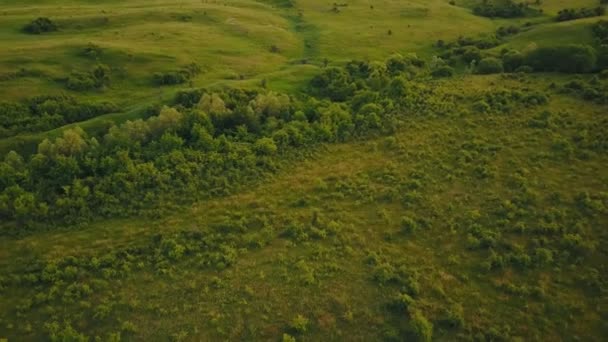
[213,141]
[207,145]
[569,59]
[40,25]
[504,9]
[472,52]
[180,76]
[600,31]
[97,78]
[578,13]
[43,113]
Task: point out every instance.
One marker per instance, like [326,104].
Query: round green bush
[40,25]
[512,60]
[443,71]
[489,65]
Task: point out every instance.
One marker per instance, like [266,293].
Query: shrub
[288,338]
[503,9]
[96,78]
[408,225]
[568,58]
[333,83]
[421,328]
[453,317]
[526,69]
[265,146]
[180,76]
[481,106]
[401,302]
[578,13]
[512,60]
[504,31]
[443,71]
[489,65]
[40,25]
[299,324]
[471,53]
[543,256]
[600,31]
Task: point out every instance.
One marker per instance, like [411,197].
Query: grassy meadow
[281,192]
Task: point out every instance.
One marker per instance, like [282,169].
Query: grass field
[480,214]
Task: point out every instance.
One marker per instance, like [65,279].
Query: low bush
[43,113]
[503,9]
[512,60]
[408,225]
[568,59]
[578,13]
[97,78]
[510,30]
[443,71]
[420,327]
[489,65]
[600,31]
[180,76]
[40,25]
[299,324]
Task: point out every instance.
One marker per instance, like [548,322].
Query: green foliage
[180,76]
[401,303]
[569,59]
[600,31]
[40,25]
[512,60]
[299,324]
[288,338]
[510,30]
[503,9]
[408,225]
[420,327]
[489,65]
[265,146]
[333,83]
[578,13]
[443,71]
[99,77]
[47,112]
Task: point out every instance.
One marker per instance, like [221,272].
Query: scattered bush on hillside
[443,71]
[512,60]
[43,113]
[299,324]
[467,49]
[92,51]
[180,76]
[239,134]
[489,65]
[505,31]
[420,327]
[568,59]
[600,31]
[592,90]
[333,83]
[578,13]
[99,77]
[503,9]
[40,25]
